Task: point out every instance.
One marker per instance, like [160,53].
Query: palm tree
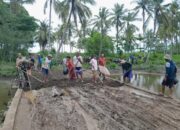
[118,13]
[50,2]
[15,4]
[58,35]
[159,13]
[174,14]
[129,37]
[77,9]
[42,35]
[74,8]
[102,22]
[146,9]
[25,1]
[149,36]
[169,29]
[70,29]
[130,29]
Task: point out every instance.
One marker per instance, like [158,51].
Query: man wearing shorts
[127,70]
[78,60]
[170,75]
[46,67]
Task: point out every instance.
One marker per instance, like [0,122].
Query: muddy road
[87,106]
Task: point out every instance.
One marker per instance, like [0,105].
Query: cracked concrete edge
[11,113]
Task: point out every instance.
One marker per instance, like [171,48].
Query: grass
[7,69]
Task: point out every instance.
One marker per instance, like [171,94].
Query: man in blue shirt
[170,75]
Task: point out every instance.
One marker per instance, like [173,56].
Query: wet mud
[88,106]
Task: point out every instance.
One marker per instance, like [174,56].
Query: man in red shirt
[103,70]
[102,60]
[70,67]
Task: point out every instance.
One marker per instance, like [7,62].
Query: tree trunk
[100,50]
[117,33]
[50,15]
[59,47]
[165,41]
[176,41]
[143,14]
[172,47]
[155,24]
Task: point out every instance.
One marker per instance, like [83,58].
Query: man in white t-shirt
[78,60]
[94,67]
[46,67]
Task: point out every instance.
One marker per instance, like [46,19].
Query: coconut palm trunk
[50,16]
[100,50]
[117,33]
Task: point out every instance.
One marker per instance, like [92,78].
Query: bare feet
[161,94]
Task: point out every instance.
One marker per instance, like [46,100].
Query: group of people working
[26,64]
[73,67]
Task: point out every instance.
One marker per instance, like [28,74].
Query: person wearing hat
[170,75]
[78,61]
[19,59]
[127,70]
[46,66]
[22,65]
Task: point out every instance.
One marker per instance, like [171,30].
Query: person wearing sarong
[71,70]
[102,67]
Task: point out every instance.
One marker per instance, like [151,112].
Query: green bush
[112,65]
[7,69]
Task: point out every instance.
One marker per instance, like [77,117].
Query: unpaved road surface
[87,106]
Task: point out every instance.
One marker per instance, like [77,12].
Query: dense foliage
[92,44]
[16,32]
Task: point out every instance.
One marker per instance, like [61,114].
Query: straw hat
[167,56]
[122,61]
[19,54]
[49,55]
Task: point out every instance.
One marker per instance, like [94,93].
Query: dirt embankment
[85,106]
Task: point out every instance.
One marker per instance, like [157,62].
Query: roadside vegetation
[92,35]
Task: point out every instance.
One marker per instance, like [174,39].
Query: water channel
[153,83]
[5,95]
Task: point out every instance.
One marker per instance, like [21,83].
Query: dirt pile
[85,106]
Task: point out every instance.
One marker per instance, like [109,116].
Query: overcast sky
[37,9]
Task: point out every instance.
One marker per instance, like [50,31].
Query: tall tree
[77,9]
[16,32]
[168,30]
[118,13]
[102,22]
[74,8]
[130,30]
[159,13]
[42,35]
[16,4]
[50,2]
[146,9]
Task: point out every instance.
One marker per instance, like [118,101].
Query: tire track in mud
[139,109]
[106,107]
[90,107]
